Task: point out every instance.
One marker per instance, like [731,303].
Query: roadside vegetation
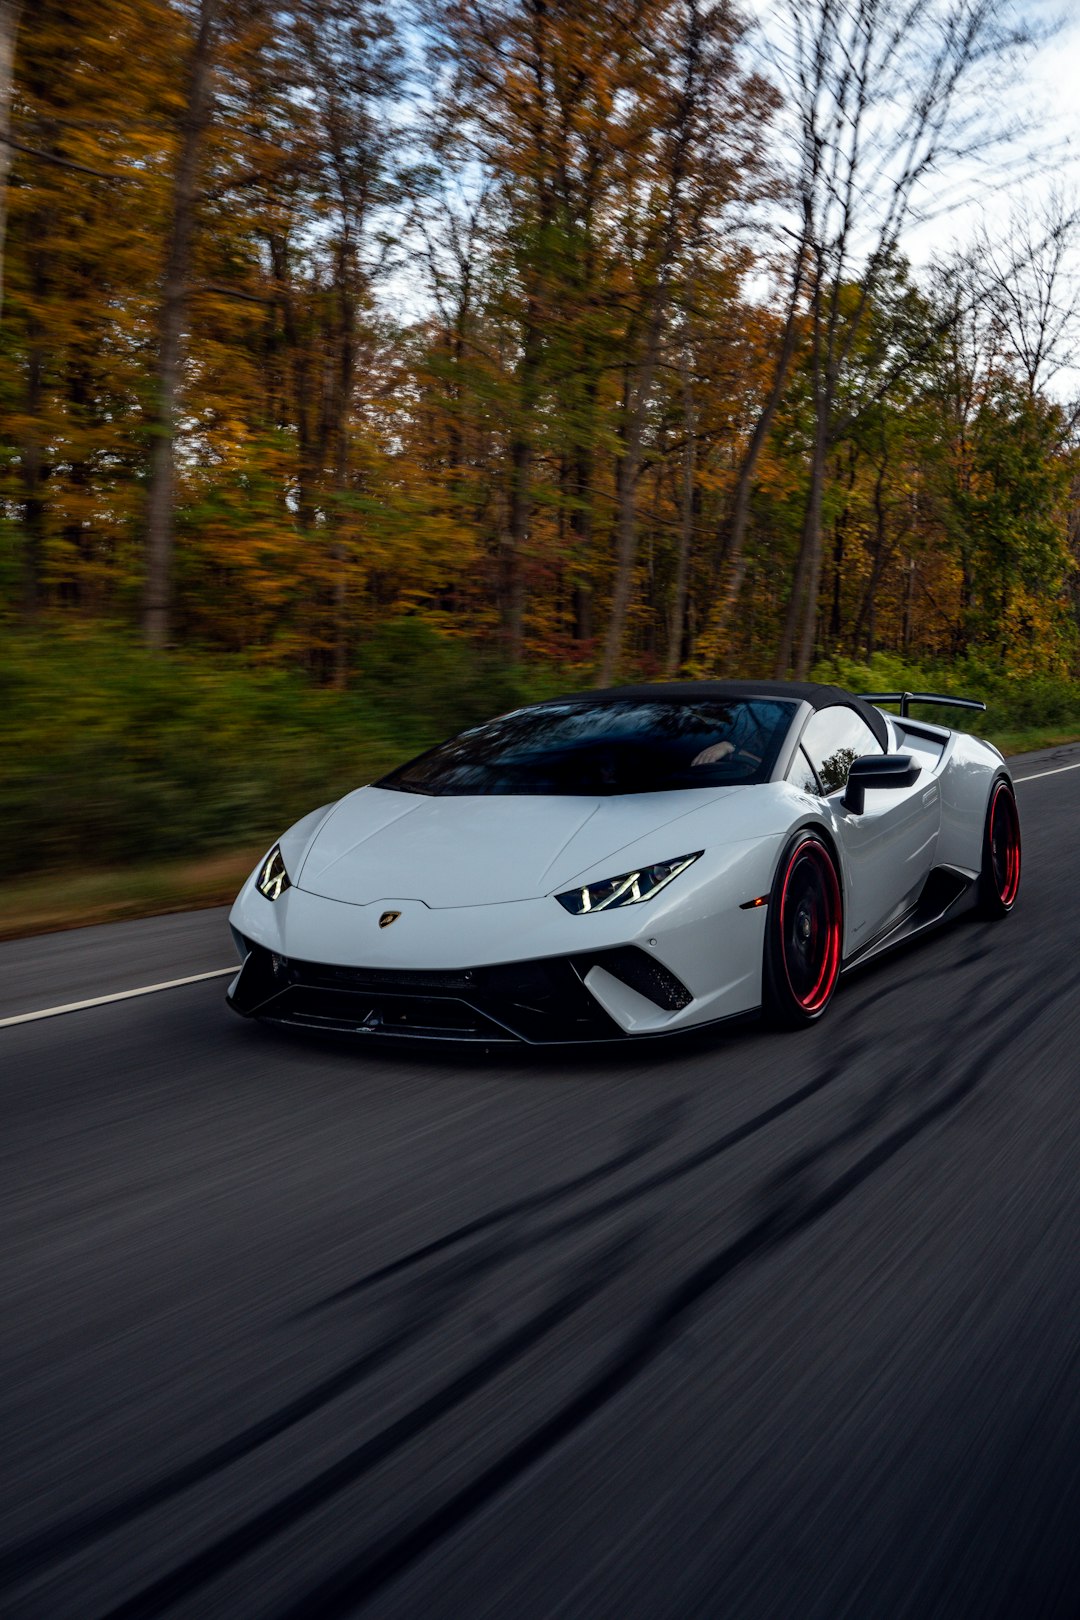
[137,782]
[114,754]
[366,370]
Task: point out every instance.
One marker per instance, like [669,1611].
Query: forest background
[367,369]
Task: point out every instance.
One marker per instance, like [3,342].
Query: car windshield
[582,746]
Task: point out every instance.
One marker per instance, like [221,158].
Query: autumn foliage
[520,317]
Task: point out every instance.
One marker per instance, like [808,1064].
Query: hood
[378,844]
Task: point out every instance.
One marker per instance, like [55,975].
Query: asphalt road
[762,1326]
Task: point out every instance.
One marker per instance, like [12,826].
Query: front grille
[394,979]
[539,1001]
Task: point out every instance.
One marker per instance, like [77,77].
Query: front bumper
[537,1002]
[525,970]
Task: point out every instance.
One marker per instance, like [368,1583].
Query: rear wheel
[999,882]
[802,934]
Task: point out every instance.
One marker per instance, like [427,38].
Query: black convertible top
[819,697]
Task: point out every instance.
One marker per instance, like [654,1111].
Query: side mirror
[878,771]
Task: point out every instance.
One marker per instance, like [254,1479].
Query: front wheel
[802,935]
[999,881]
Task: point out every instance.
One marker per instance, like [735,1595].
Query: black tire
[803,934]
[999,881]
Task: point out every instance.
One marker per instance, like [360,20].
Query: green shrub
[410,669]
[1015,704]
[113,754]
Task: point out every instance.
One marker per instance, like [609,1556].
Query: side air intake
[642,973]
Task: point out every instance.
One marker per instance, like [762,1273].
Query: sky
[1042,94]
[1049,95]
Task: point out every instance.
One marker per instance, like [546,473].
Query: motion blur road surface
[762,1325]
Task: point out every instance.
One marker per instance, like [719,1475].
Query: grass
[1028,741]
[53,901]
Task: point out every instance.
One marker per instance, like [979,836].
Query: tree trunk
[677,619]
[10,11]
[583,613]
[298,377]
[807,570]
[581,516]
[838,573]
[31,446]
[76,586]
[511,580]
[635,407]
[33,503]
[157,596]
[868,608]
[802,604]
[342,461]
[839,538]
[456,387]
[825,381]
[516,531]
[909,588]
[735,538]
[625,547]
[638,392]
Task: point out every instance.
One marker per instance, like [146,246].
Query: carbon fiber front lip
[386,1017]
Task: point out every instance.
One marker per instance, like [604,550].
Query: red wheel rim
[1005,844]
[810,925]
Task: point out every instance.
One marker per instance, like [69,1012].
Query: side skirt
[947,892]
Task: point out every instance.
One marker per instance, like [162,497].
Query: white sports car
[630,862]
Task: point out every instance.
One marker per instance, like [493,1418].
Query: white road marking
[1055,772]
[119,995]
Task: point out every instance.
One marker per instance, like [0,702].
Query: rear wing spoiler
[904,698]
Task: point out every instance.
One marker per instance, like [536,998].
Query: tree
[615,148]
[84,218]
[1028,279]
[880,98]
[592,346]
[194,115]
[550,107]
[703,162]
[1014,515]
[10,12]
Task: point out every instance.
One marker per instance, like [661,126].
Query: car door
[889,848]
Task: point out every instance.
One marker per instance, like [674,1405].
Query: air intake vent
[644,974]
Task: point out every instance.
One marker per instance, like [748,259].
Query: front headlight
[629,889]
[273,879]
